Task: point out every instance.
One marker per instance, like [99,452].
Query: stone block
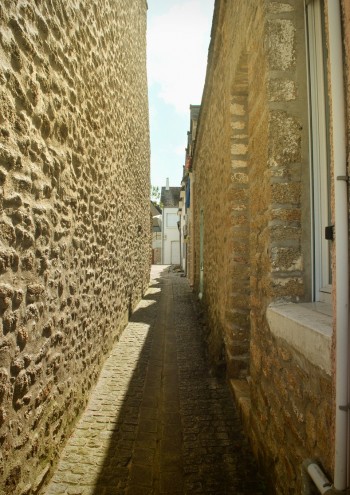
[286,193]
[281,40]
[285,135]
[282,90]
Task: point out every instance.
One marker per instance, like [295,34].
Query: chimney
[167,184]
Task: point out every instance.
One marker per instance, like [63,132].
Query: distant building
[185,207]
[170,197]
[156,214]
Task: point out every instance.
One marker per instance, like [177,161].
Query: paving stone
[171,482]
[144,456]
[158,421]
[141,475]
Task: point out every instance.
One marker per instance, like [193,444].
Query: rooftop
[170,197]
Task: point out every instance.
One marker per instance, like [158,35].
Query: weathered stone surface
[282,90]
[74,179]
[251,194]
[281,44]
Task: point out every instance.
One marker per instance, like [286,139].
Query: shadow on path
[157,421]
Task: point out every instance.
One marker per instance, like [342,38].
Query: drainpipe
[341,244]
[311,469]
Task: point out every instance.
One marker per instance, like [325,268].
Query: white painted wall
[182,218]
[171,244]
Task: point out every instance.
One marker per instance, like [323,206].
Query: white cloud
[178,42]
[180,151]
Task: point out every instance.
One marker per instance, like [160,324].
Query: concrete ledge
[305,329]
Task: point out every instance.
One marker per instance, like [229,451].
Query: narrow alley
[158,421]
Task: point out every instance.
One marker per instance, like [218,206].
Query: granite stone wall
[74,213]
[251,183]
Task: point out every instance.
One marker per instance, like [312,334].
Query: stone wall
[157,256]
[74,213]
[217,185]
[251,183]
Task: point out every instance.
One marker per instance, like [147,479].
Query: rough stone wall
[74,213]
[220,190]
[251,173]
[157,256]
[230,162]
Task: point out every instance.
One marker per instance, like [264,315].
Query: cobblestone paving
[158,422]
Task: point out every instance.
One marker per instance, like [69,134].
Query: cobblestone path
[157,421]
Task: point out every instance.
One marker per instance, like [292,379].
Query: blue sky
[177,49]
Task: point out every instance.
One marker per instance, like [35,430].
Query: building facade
[182,228]
[271,227]
[169,199]
[74,214]
[156,214]
[185,213]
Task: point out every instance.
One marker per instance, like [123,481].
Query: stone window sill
[305,327]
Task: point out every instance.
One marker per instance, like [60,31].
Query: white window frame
[319,156]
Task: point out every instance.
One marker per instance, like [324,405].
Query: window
[171,220]
[319,148]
